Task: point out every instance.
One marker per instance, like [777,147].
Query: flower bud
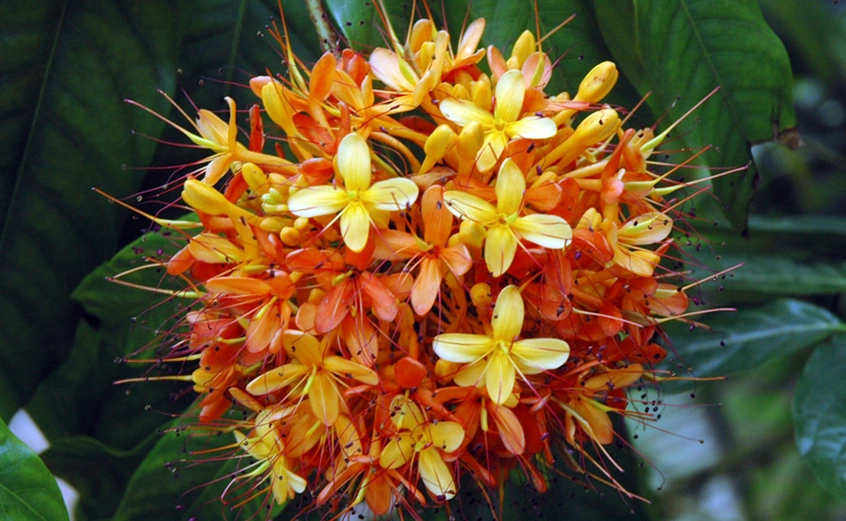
[598,82]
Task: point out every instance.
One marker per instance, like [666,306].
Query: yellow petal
[324,399]
[304,347]
[508,313]
[466,206]
[531,127]
[344,367]
[639,262]
[353,162]
[510,90]
[385,66]
[391,194]
[397,451]
[471,375]
[461,347]
[277,379]
[318,200]
[355,226]
[649,228]
[540,354]
[510,187]
[549,231]
[446,436]
[499,377]
[462,112]
[500,247]
[495,143]
[436,475]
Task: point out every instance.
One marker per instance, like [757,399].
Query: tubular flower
[499,357]
[504,124]
[366,345]
[428,441]
[504,224]
[358,200]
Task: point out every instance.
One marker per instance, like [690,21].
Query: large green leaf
[749,338]
[820,415]
[27,490]
[80,398]
[690,47]
[73,134]
[97,472]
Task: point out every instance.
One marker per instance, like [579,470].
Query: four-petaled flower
[358,201]
[429,440]
[503,222]
[498,357]
[504,124]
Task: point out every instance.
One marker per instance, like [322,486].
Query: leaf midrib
[35,116]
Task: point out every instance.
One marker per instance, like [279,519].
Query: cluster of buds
[438,271]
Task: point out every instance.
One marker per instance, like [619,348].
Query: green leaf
[689,48]
[72,132]
[80,398]
[749,338]
[818,409]
[28,492]
[98,472]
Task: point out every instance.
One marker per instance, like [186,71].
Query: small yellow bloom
[504,124]
[428,439]
[504,224]
[357,200]
[496,359]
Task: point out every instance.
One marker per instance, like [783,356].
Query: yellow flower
[504,224]
[428,439]
[357,200]
[504,124]
[498,357]
[266,447]
[313,372]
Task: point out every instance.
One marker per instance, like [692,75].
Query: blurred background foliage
[774,433]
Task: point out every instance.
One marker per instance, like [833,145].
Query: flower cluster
[437,271]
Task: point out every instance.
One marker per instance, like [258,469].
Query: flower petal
[436,475]
[461,347]
[495,143]
[466,206]
[427,286]
[549,231]
[500,247]
[510,90]
[353,162]
[346,368]
[355,226]
[317,200]
[508,313]
[397,451]
[531,127]
[391,194]
[540,354]
[446,436]
[277,379]
[499,377]
[462,112]
[510,187]
[324,398]
[471,375]
[303,347]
